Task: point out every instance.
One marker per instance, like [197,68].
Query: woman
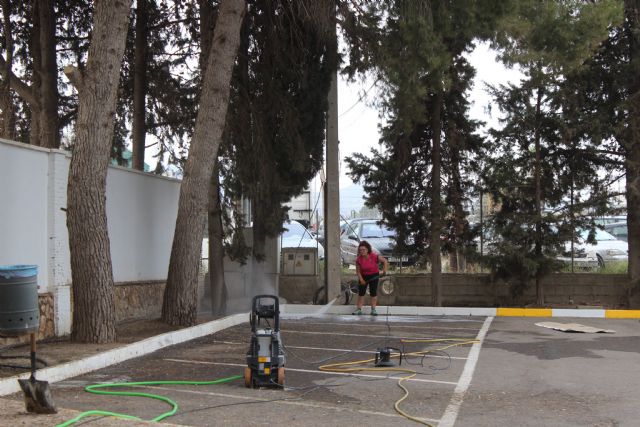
[368,274]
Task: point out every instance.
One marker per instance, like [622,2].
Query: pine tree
[533,172]
[418,60]
[276,123]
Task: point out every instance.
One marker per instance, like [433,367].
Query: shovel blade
[37,396]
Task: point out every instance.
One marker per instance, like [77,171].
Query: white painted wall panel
[141,215]
[23,207]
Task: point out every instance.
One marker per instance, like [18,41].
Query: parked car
[608,249]
[583,259]
[584,256]
[379,236]
[296,235]
[618,229]
[604,220]
[319,234]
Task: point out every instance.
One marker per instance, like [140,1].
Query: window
[373,230]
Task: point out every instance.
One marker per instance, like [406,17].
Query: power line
[360,99]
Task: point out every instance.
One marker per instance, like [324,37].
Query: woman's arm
[360,278]
[385,264]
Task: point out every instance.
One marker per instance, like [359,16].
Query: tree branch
[75,76]
[25,91]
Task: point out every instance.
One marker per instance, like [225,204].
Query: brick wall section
[477,290]
[139,300]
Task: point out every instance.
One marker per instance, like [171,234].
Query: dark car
[381,238]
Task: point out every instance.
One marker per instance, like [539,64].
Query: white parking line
[395,326]
[348,374]
[451,413]
[339,350]
[358,335]
[364,351]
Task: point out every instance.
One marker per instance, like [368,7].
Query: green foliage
[418,58]
[543,149]
[276,120]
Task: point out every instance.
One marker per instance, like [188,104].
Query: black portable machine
[265,358]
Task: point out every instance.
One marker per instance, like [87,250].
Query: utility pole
[333,261]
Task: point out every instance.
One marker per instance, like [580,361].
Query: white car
[296,235]
[608,249]
[582,258]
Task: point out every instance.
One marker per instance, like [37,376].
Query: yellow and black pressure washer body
[265,358]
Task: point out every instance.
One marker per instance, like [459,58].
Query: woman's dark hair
[366,245]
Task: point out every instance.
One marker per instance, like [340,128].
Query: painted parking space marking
[366,352]
[397,325]
[451,412]
[338,350]
[315,371]
[397,337]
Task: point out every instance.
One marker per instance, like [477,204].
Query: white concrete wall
[141,215]
[23,207]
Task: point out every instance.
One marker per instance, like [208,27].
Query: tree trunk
[6,102]
[538,189]
[436,209]
[458,261]
[217,284]
[180,297]
[91,271]
[49,136]
[632,162]
[139,125]
[36,79]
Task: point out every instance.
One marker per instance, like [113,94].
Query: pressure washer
[383,357]
[265,358]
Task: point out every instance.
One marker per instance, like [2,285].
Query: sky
[358,121]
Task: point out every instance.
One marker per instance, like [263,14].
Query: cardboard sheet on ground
[574,327]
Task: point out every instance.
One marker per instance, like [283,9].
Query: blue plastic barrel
[19,311]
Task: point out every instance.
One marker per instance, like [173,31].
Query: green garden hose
[95,388]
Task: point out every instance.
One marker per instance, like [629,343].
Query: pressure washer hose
[347,367]
[95,389]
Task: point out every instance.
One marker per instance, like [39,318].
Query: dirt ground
[14,359]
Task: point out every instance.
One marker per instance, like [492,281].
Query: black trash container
[19,311]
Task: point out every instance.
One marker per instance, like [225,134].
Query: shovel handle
[33,354]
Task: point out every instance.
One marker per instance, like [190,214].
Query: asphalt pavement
[455,370]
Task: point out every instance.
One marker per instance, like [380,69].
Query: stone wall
[139,300]
[478,290]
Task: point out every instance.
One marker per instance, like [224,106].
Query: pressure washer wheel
[281,376]
[247,377]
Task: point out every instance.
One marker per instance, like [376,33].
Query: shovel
[37,394]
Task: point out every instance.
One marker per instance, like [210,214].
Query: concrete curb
[117,355]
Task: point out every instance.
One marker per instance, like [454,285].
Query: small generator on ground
[265,358]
